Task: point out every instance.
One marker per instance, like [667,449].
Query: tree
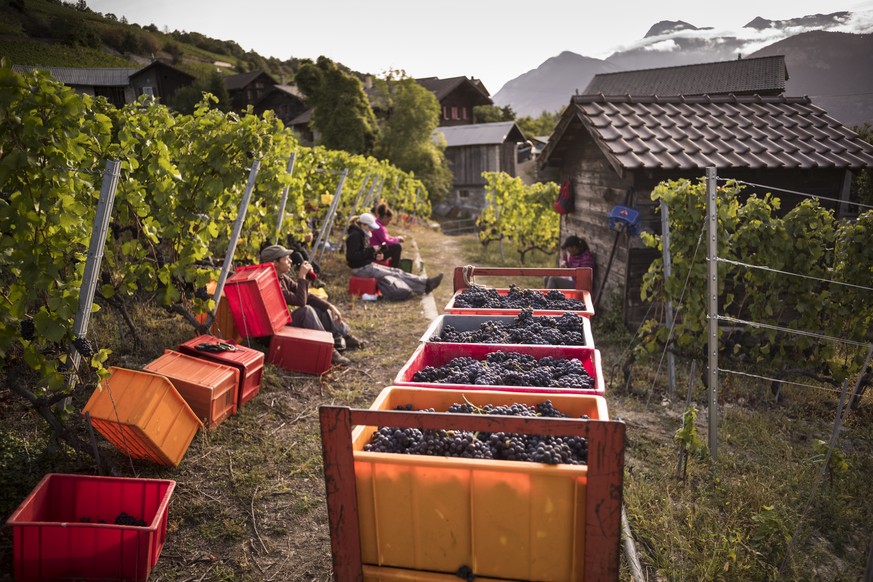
[186,99]
[492,114]
[545,124]
[406,137]
[862,185]
[341,111]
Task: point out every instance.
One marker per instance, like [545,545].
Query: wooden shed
[477,148]
[616,149]
[457,97]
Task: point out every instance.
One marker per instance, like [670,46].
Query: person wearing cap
[311,311]
[574,253]
[380,236]
[361,257]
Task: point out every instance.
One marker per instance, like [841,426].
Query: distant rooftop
[481,133]
[758,76]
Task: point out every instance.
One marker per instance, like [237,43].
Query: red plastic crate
[209,388]
[362,285]
[301,350]
[463,323]
[256,301]
[249,362]
[580,294]
[438,354]
[50,540]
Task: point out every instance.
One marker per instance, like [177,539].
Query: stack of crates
[255,299]
[249,362]
[426,517]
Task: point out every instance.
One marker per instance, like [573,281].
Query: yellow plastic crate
[504,519]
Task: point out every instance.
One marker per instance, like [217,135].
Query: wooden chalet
[457,97]
[286,101]
[616,148]
[159,80]
[473,149]
[111,83]
[248,88]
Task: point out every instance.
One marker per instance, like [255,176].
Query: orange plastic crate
[438,353]
[210,389]
[51,542]
[249,362]
[581,295]
[256,301]
[506,519]
[143,415]
[301,350]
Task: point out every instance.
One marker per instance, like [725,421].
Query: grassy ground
[249,504]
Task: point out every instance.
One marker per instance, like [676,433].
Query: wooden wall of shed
[597,189]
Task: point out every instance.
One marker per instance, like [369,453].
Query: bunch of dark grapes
[516,298]
[501,368]
[125,519]
[483,445]
[28,329]
[566,330]
[84,347]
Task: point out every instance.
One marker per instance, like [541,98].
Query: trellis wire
[806,194]
[789,330]
[770,269]
[780,380]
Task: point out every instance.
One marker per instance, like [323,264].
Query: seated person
[360,257]
[574,253]
[380,236]
[311,312]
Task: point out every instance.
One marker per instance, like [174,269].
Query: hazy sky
[494,40]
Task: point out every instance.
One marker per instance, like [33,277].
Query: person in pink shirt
[393,244]
[574,253]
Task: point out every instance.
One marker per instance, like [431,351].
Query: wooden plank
[342,495]
[604,499]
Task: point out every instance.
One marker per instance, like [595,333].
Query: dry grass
[249,503]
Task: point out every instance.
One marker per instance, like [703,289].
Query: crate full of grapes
[500,504]
[523,368]
[477,300]
[525,328]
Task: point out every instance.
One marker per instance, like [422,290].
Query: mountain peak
[670,27]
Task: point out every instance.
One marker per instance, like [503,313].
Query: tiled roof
[689,133]
[758,76]
[481,133]
[78,77]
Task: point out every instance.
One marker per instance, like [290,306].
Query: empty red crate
[143,415]
[249,362]
[301,350]
[209,388]
[581,295]
[362,285]
[52,541]
[256,301]
[437,354]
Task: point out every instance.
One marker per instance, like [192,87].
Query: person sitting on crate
[380,236]
[393,283]
[574,253]
[311,312]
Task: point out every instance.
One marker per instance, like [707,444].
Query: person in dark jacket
[312,312]
[360,257]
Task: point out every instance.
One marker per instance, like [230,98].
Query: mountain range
[824,61]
